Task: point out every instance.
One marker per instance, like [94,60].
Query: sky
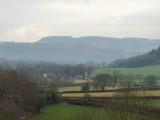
[30,20]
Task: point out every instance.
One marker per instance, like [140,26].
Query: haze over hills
[64,49]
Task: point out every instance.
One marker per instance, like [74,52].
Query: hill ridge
[65,49]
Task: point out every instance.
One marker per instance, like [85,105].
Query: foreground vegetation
[17,97]
[123,106]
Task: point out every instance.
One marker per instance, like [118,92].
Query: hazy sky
[29,20]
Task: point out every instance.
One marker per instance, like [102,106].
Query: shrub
[86,99]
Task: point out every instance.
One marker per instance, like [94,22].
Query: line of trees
[36,70]
[48,67]
[103,80]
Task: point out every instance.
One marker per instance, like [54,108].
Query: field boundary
[104,103]
[115,90]
[109,98]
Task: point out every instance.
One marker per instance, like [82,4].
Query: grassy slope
[149,70]
[56,112]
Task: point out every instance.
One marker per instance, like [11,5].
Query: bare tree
[9,110]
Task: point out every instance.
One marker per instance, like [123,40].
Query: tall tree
[85,87]
[102,80]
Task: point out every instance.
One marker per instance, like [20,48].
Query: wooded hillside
[150,58]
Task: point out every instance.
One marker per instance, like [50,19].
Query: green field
[145,71]
[67,112]
[56,112]
[156,103]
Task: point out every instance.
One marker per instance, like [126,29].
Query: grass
[72,112]
[68,112]
[92,113]
[56,112]
[145,71]
[156,103]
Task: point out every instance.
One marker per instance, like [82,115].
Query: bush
[86,99]
[54,96]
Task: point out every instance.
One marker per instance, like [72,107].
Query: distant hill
[150,58]
[64,49]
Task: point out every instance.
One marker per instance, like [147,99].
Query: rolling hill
[65,49]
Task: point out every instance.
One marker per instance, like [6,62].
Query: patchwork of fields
[66,112]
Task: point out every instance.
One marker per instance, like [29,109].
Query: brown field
[76,81]
[102,94]
[110,94]
[72,88]
[78,88]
